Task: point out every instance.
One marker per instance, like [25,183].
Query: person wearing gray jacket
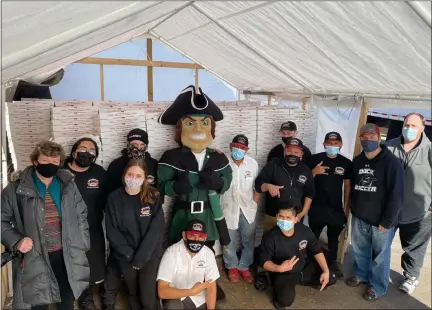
[415,151]
[44,220]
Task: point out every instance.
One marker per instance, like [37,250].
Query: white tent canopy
[349,47]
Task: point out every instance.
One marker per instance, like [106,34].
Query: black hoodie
[377,188]
[115,171]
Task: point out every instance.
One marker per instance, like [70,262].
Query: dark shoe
[277,306]
[335,269]
[353,282]
[87,305]
[220,294]
[370,295]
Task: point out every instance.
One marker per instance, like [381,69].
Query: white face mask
[133,183]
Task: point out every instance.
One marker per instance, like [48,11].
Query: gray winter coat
[418,171]
[34,281]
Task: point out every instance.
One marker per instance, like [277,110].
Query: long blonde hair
[148,194]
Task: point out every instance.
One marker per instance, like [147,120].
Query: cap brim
[194,233]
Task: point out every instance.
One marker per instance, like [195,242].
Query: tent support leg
[102,82]
[150,70]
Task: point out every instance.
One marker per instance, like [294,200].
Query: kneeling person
[188,268]
[293,258]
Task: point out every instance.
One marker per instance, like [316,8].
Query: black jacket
[377,188]
[279,152]
[134,230]
[115,171]
[298,183]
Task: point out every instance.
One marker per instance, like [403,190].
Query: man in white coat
[239,206]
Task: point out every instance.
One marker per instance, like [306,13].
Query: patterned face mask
[134,152]
[133,183]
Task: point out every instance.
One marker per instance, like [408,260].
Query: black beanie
[137,134]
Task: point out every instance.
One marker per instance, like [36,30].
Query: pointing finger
[320,163]
[295,262]
[293,258]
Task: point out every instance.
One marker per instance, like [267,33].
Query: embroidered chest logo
[302,179]
[339,170]
[145,211]
[93,183]
[201,264]
[302,244]
[248,174]
[197,227]
[367,181]
[150,179]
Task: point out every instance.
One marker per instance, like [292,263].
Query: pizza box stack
[27,123]
[236,121]
[72,120]
[113,127]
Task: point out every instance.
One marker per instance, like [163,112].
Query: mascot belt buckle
[200,207]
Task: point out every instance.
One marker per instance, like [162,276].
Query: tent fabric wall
[353,46]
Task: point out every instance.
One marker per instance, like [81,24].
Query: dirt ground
[338,296]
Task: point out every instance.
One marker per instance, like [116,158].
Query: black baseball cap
[294,142]
[290,126]
[333,135]
[240,140]
[137,134]
[196,226]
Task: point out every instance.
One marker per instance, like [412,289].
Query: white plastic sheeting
[338,115]
[348,46]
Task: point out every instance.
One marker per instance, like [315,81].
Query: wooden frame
[149,63]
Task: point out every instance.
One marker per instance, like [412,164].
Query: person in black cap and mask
[330,206]
[285,180]
[288,130]
[137,142]
[188,271]
[89,178]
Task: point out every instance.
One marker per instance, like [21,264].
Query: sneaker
[408,286]
[247,276]
[234,275]
[353,282]
[370,295]
[335,269]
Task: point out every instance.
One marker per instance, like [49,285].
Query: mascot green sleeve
[193,173]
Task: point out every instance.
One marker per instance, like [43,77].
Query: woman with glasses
[89,178]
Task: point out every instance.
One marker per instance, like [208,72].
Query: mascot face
[196,132]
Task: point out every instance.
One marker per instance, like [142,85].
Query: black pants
[414,239]
[284,284]
[317,222]
[59,269]
[177,304]
[141,284]
[111,283]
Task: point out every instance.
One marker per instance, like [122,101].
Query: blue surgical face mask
[369,146]
[409,134]
[285,225]
[332,150]
[237,154]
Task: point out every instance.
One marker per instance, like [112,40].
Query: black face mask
[84,159]
[194,245]
[285,139]
[47,170]
[292,159]
[134,152]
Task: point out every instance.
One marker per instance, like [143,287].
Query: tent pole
[102,82]
[150,70]
[417,7]
[196,80]
[413,97]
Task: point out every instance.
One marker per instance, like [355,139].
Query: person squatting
[53,212]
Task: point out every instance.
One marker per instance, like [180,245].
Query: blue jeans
[247,237]
[371,251]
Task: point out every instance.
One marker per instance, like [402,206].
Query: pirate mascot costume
[194,173]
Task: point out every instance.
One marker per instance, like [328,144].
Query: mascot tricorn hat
[188,102]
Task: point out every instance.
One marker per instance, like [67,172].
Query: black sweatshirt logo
[367,181]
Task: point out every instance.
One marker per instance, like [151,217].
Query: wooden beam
[269,100]
[150,70]
[196,80]
[134,62]
[102,82]
[304,103]
[362,121]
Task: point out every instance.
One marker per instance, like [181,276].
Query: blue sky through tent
[129,83]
